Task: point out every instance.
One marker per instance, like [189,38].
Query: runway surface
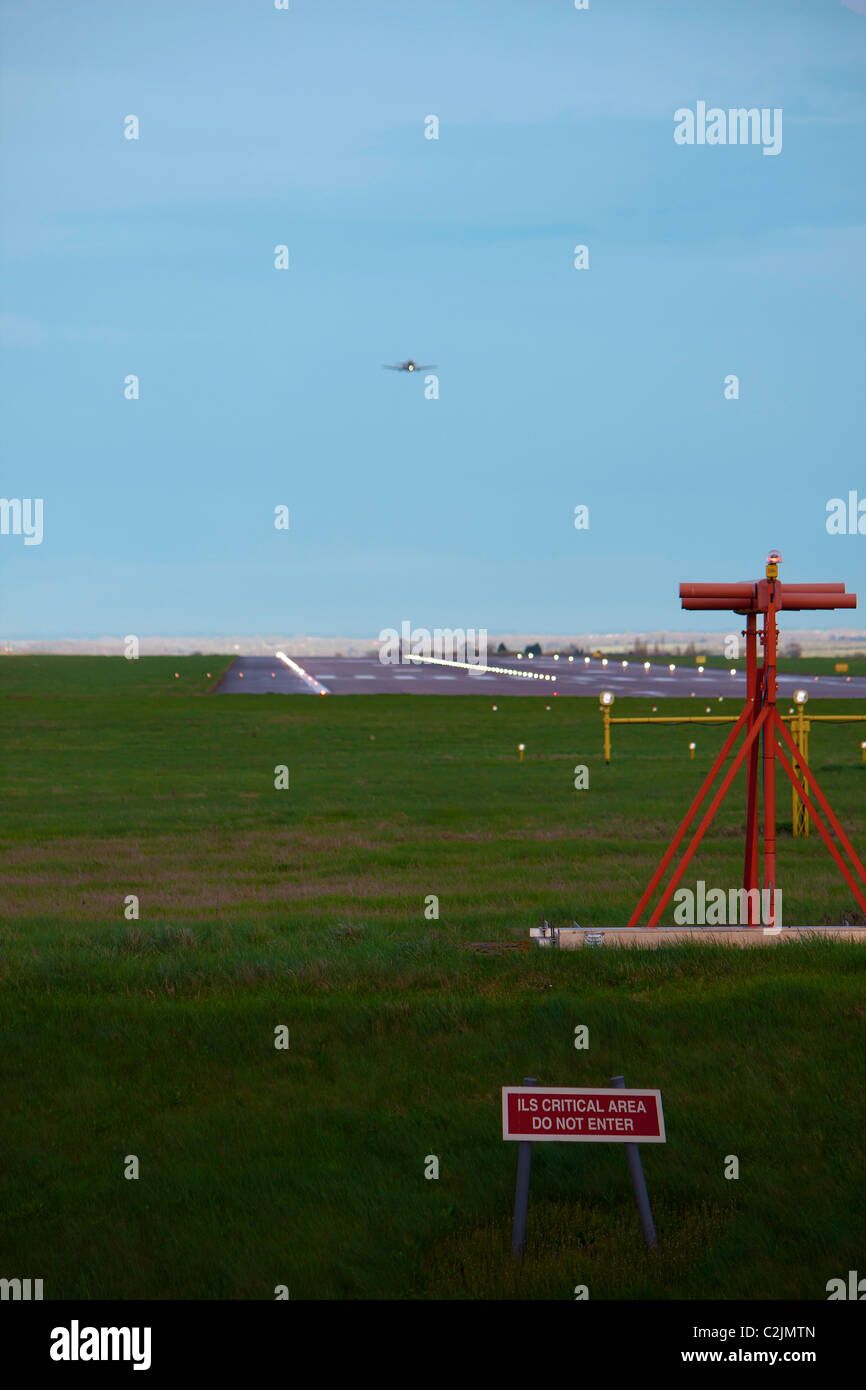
[258,675]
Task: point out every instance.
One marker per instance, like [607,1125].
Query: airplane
[410,365]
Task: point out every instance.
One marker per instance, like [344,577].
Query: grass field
[305,908]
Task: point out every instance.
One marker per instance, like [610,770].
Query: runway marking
[365,678]
[444,678]
[405,678]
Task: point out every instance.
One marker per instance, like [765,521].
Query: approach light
[606,697]
[800,697]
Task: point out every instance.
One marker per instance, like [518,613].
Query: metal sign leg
[521,1196]
[639,1184]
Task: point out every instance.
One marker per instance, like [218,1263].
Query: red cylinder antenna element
[765,744]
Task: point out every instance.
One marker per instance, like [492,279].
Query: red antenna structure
[766,742]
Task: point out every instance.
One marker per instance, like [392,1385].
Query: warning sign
[571,1113]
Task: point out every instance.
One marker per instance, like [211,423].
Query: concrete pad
[570,938]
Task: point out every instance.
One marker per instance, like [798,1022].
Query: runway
[332,675]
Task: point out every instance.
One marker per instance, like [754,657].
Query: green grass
[305,907]
[83,677]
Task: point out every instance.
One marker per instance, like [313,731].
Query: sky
[558,387]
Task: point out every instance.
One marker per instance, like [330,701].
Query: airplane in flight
[410,365]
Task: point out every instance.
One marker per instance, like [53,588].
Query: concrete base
[569,938]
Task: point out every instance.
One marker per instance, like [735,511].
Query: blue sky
[557,387]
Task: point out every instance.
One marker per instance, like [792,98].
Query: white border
[549,1137]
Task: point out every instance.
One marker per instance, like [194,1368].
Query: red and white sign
[574,1114]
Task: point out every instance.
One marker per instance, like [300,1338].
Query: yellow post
[605,700]
[800,731]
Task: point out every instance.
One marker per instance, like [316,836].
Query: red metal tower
[766,740]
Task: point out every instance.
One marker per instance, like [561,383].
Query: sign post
[578,1115]
[638,1182]
[521,1196]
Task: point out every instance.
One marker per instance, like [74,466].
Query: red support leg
[717,800]
[769,740]
[750,866]
[822,831]
[821,799]
[689,817]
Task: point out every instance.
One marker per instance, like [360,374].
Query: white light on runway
[299,671]
[479,666]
